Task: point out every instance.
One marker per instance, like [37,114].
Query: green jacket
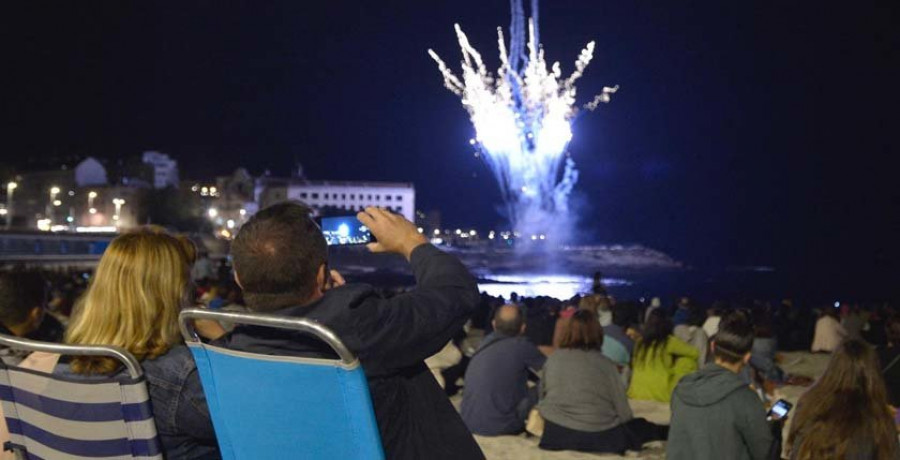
[715,415]
[655,373]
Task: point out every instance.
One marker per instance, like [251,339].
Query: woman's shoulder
[174,365]
[579,357]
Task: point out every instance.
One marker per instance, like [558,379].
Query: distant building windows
[352,196]
[388,198]
[369,197]
[326,196]
[343,196]
[377,197]
[315,196]
[399,198]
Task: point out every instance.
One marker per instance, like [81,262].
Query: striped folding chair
[55,417]
[274,407]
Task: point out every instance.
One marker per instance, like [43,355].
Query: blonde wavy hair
[133,299]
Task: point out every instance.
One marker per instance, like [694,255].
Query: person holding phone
[715,414]
[281,262]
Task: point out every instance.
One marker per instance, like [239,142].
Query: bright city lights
[213,212]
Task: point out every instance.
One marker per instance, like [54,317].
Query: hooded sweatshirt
[715,415]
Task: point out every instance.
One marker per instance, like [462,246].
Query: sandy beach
[526,448]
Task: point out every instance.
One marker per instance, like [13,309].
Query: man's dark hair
[734,338]
[278,253]
[20,292]
[508,320]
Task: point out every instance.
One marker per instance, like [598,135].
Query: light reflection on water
[532,285]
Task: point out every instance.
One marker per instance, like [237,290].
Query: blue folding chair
[275,407]
[55,417]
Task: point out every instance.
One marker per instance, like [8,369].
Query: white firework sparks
[522,119]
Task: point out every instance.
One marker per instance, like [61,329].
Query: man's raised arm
[412,326]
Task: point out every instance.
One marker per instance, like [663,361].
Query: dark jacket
[179,406]
[715,415]
[392,337]
[497,384]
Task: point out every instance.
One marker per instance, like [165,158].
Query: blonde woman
[133,301]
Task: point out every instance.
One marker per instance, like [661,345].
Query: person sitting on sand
[846,413]
[23,312]
[829,332]
[496,397]
[715,415]
[583,401]
[660,360]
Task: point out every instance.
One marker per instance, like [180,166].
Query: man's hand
[208,329]
[394,233]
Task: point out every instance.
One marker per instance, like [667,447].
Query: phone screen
[344,230]
[780,409]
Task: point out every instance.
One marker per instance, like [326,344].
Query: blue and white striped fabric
[274,407]
[54,417]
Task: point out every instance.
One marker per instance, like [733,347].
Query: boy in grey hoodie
[715,415]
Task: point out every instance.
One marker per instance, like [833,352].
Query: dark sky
[744,132]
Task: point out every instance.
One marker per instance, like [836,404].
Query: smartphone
[780,409]
[345,231]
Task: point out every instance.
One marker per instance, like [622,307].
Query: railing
[56,247]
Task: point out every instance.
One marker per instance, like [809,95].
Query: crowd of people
[718,368]
[562,369]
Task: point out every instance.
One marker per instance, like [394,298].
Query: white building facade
[165,169]
[349,196]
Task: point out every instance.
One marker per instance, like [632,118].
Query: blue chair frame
[273,407]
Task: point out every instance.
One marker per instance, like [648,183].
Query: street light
[91,196]
[10,187]
[119,203]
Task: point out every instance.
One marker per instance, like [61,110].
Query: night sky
[761,133]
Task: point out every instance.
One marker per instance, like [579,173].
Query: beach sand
[526,448]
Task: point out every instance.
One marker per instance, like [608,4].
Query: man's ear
[522,330]
[36,316]
[321,278]
[746,358]
[493,324]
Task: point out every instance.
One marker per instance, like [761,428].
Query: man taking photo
[280,261]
